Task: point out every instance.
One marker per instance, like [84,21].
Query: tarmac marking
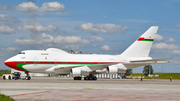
[58,85]
[29,93]
[94,89]
[98,95]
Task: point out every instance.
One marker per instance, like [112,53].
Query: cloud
[176,52]
[158,37]
[178,25]
[6,29]
[4,17]
[135,20]
[52,6]
[71,46]
[45,38]
[170,40]
[95,38]
[70,39]
[46,41]
[27,6]
[2,7]
[10,49]
[102,28]
[165,46]
[106,48]
[46,7]
[36,27]
[161,38]
[6,7]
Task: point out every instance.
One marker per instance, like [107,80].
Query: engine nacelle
[120,68]
[77,72]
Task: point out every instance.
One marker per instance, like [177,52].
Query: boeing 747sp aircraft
[56,61]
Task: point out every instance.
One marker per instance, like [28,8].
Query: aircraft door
[56,62]
[99,61]
[36,61]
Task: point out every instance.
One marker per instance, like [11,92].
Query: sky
[94,26]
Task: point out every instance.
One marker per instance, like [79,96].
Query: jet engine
[114,69]
[75,72]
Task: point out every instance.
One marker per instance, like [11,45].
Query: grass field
[5,98]
[161,75]
[4,72]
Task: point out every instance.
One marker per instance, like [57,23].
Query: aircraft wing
[61,67]
[82,67]
[99,67]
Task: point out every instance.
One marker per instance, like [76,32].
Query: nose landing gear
[27,76]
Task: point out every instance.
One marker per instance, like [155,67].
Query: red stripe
[18,62]
[13,65]
[142,38]
[29,93]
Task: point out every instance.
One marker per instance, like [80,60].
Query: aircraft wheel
[9,77]
[79,78]
[94,78]
[90,78]
[4,78]
[85,78]
[27,77]
[75,78]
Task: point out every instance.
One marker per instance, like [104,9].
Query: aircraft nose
[7,63]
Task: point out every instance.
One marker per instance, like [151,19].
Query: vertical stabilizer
[142,46]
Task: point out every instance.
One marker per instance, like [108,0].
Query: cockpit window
[22,53]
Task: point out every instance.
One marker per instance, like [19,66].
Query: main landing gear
[27,76]
[90,77]
[77,78]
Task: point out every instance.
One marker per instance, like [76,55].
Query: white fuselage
[40,60]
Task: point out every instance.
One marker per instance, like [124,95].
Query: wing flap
[99,67]
[61,67]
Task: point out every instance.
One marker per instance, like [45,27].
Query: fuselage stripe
[18,65]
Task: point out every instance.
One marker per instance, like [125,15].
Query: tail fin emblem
[144,39]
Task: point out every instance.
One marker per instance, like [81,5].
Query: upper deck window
[21,52]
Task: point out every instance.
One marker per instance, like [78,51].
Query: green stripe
[22,64]
[147,40]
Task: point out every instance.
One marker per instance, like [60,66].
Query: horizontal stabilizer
[138,63]
[153,60]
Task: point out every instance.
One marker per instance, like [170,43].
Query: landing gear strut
[90,77]
[27,76]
